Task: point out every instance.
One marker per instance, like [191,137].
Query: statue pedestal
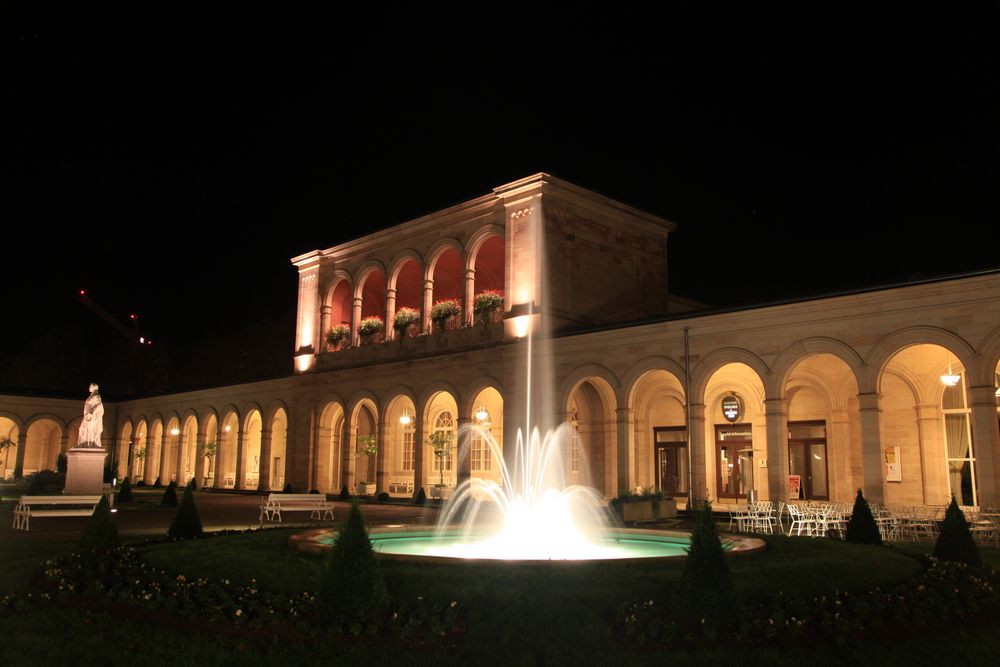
[85,471]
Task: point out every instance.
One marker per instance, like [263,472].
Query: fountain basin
[423,544]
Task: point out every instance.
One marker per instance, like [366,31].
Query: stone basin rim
[307,542]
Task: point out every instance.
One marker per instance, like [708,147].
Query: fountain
[532,514]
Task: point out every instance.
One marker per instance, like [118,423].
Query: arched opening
[170,471]
[441,417]
[447,274]
[589,450]
[734,442]
[140,453]
[925,426]
[328,474]
[661,437]
[9,434]
[210,452]
[225,463]
[400,443]
[73,433]
[154,460]
[409,293]
[279,439]
[189,440]
[251,451]
[365,430]
[489,265]
[372,305]
[125,452]
[824,429]
[486,461]
[341,306]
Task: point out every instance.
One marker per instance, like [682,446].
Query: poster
[893,473]
[794,486]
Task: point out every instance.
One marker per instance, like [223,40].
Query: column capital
[869,401]
[390,291]
[776,406]
[983,396]
[698,412]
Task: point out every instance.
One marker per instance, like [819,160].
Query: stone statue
[93,420]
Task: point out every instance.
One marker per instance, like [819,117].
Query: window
[445,423]
[958,444]
[408,446]
[574,444]
[481,459]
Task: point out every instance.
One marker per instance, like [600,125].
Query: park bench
[317,505]
[41,506]
[401,484]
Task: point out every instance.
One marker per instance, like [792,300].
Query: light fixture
[949,379]
[228,428]
[175,431]
[405,419]
[481,413]
[521,315]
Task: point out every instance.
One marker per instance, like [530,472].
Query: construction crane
[131,334]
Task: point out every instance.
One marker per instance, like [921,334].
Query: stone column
[199,458]
[626,454]
[163,459]
[428,303]
[324,326]
[776,410]
[419,470]
[22,445]
[239,482]
[470,296]
[871,448]
[463,454]
[349,461]
[935,481]
[381,441]
[180,458]
[264,468]
[699,464]
[985,444]
[838,453]
[356,322]
[390,314]
[215,464]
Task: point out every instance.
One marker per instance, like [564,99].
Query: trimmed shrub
[101,534]
[141,482]
[314,491]
[353,588]
[862,529]
[955,541]
[170,495]
[421,498]
[39,484]
[186,523]
[125,492]
[157,484]
[344,493]
[193,484]
[287,488]
[706,589]
[382,497]
[62,463]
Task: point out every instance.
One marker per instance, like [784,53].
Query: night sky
[172,172]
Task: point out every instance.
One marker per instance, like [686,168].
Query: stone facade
[828,386]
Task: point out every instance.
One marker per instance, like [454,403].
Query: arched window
[481,459]
[408,431]
[445,423]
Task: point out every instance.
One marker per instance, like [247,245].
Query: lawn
[551,613]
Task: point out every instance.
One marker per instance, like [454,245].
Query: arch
[277,463]
[360,397]
[248,414]
[591,406]
[886,348]
[187,413]
[45,415]
[369,286]
[251,432]
[18,422]
[789,358]
[328,471]
[446,268]
[466,402]
[407,279]
[363,272]
[431,390]
[706,368]
[639,369]
[272,409]
[397,263]
[393,394]
[43,437]
[227,448]
[434,253]
[989,357]
[207,415]
[486,255]
[584,372]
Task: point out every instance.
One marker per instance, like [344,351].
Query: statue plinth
[85,471]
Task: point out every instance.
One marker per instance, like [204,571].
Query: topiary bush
[141,482]
[955,541]
[862,529]
[382,497]
[421,498]
[314,491]
[193,484]
[170,495]
[344,493]
[186,523]
[157,484]
[706,589]
[62,463]
[353,588]
[101,534]
[125,492]
[287,488]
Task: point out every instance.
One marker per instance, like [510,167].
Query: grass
[536,614]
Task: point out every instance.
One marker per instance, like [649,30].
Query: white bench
[317,505]
[401,484]
[40,506]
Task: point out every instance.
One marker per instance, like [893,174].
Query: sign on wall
[732,408]
[794,487]
[893,471]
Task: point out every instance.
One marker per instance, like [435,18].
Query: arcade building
[891,389]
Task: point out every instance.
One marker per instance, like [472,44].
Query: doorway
[671,460]
[807,459]
[734,447]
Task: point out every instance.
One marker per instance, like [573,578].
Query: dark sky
[173,170]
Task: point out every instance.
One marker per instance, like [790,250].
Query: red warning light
[133,317]
[83,292]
